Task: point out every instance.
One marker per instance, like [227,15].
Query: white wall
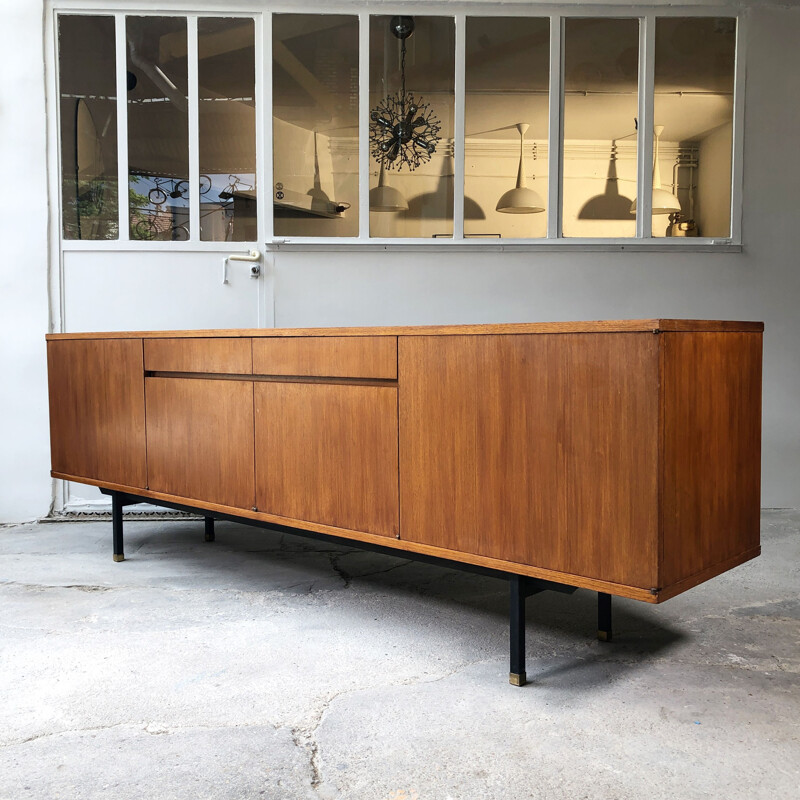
[346,288]
[713,196]
[25,485]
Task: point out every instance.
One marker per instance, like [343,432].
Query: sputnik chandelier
[403,130]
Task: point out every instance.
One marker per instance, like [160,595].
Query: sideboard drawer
[327,356]
[228,355]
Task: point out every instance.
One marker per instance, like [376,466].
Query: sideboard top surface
[599,326]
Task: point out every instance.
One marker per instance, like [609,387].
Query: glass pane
[507,85]
[411,126]
[226,76]
[315,124]
[601,64]
[694,75]
[158,128]
[87,89]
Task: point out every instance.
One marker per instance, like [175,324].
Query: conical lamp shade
[520,199]
[664,202]
[386,198]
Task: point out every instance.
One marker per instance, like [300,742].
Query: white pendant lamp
[386,198]
[521,199]
[664,202]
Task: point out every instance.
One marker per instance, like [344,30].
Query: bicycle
[235,184]
[177,189]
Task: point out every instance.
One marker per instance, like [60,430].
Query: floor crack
[346,577]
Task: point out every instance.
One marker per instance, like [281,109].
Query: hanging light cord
[403,72]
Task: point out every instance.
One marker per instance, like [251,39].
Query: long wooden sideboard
[617,456]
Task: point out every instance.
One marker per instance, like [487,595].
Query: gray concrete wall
[762,282]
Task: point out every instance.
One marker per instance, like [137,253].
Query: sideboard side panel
[97,419]
[712,452]
[536,449]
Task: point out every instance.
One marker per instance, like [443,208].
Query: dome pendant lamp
[664,202]
[521,199]
[386,198]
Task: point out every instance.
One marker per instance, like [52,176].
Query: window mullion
[265,192]
[194,128]
[459,144]
[122,126]
[363,126]
[263,129]
[644,149]
[555,128]
[737,148]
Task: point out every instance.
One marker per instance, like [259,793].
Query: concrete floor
[269,666]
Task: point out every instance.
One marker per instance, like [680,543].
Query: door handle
[252,256]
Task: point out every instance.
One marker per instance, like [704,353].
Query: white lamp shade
[386,198]
[520,200]
[664,202]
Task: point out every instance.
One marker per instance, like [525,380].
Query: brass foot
[210,537]
[119,557]
[517,678]
[604,636]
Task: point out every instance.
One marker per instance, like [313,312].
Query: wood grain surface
[97,421]
[711,493]
[620,590]
[328,453]
[534,449]
[200,439]
[225,354]
[327,356]
[619,456]
[596,326]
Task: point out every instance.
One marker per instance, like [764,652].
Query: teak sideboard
[621,457]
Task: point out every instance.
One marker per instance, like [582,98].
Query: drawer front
[218,355]
[327,356]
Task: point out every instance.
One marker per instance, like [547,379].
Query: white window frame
[459,12]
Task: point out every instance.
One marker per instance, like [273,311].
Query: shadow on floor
[566,624]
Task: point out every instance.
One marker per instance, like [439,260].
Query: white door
[161,195]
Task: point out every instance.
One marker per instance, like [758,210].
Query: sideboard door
[537,449]
[327,453]
[97,409]
[200,439]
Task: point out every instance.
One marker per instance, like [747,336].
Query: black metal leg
[209,529]
[116,526]
[604,617]
[516,675]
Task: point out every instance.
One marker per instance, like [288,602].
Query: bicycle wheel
[144,229]
[181,190]
[180,233]
[157,196]
[205,184]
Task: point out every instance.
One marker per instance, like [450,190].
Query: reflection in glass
[694,77]
[227,121]
[315,124]
[601,63]
[158,143]
[87,90]
[507,84]
[426,74]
